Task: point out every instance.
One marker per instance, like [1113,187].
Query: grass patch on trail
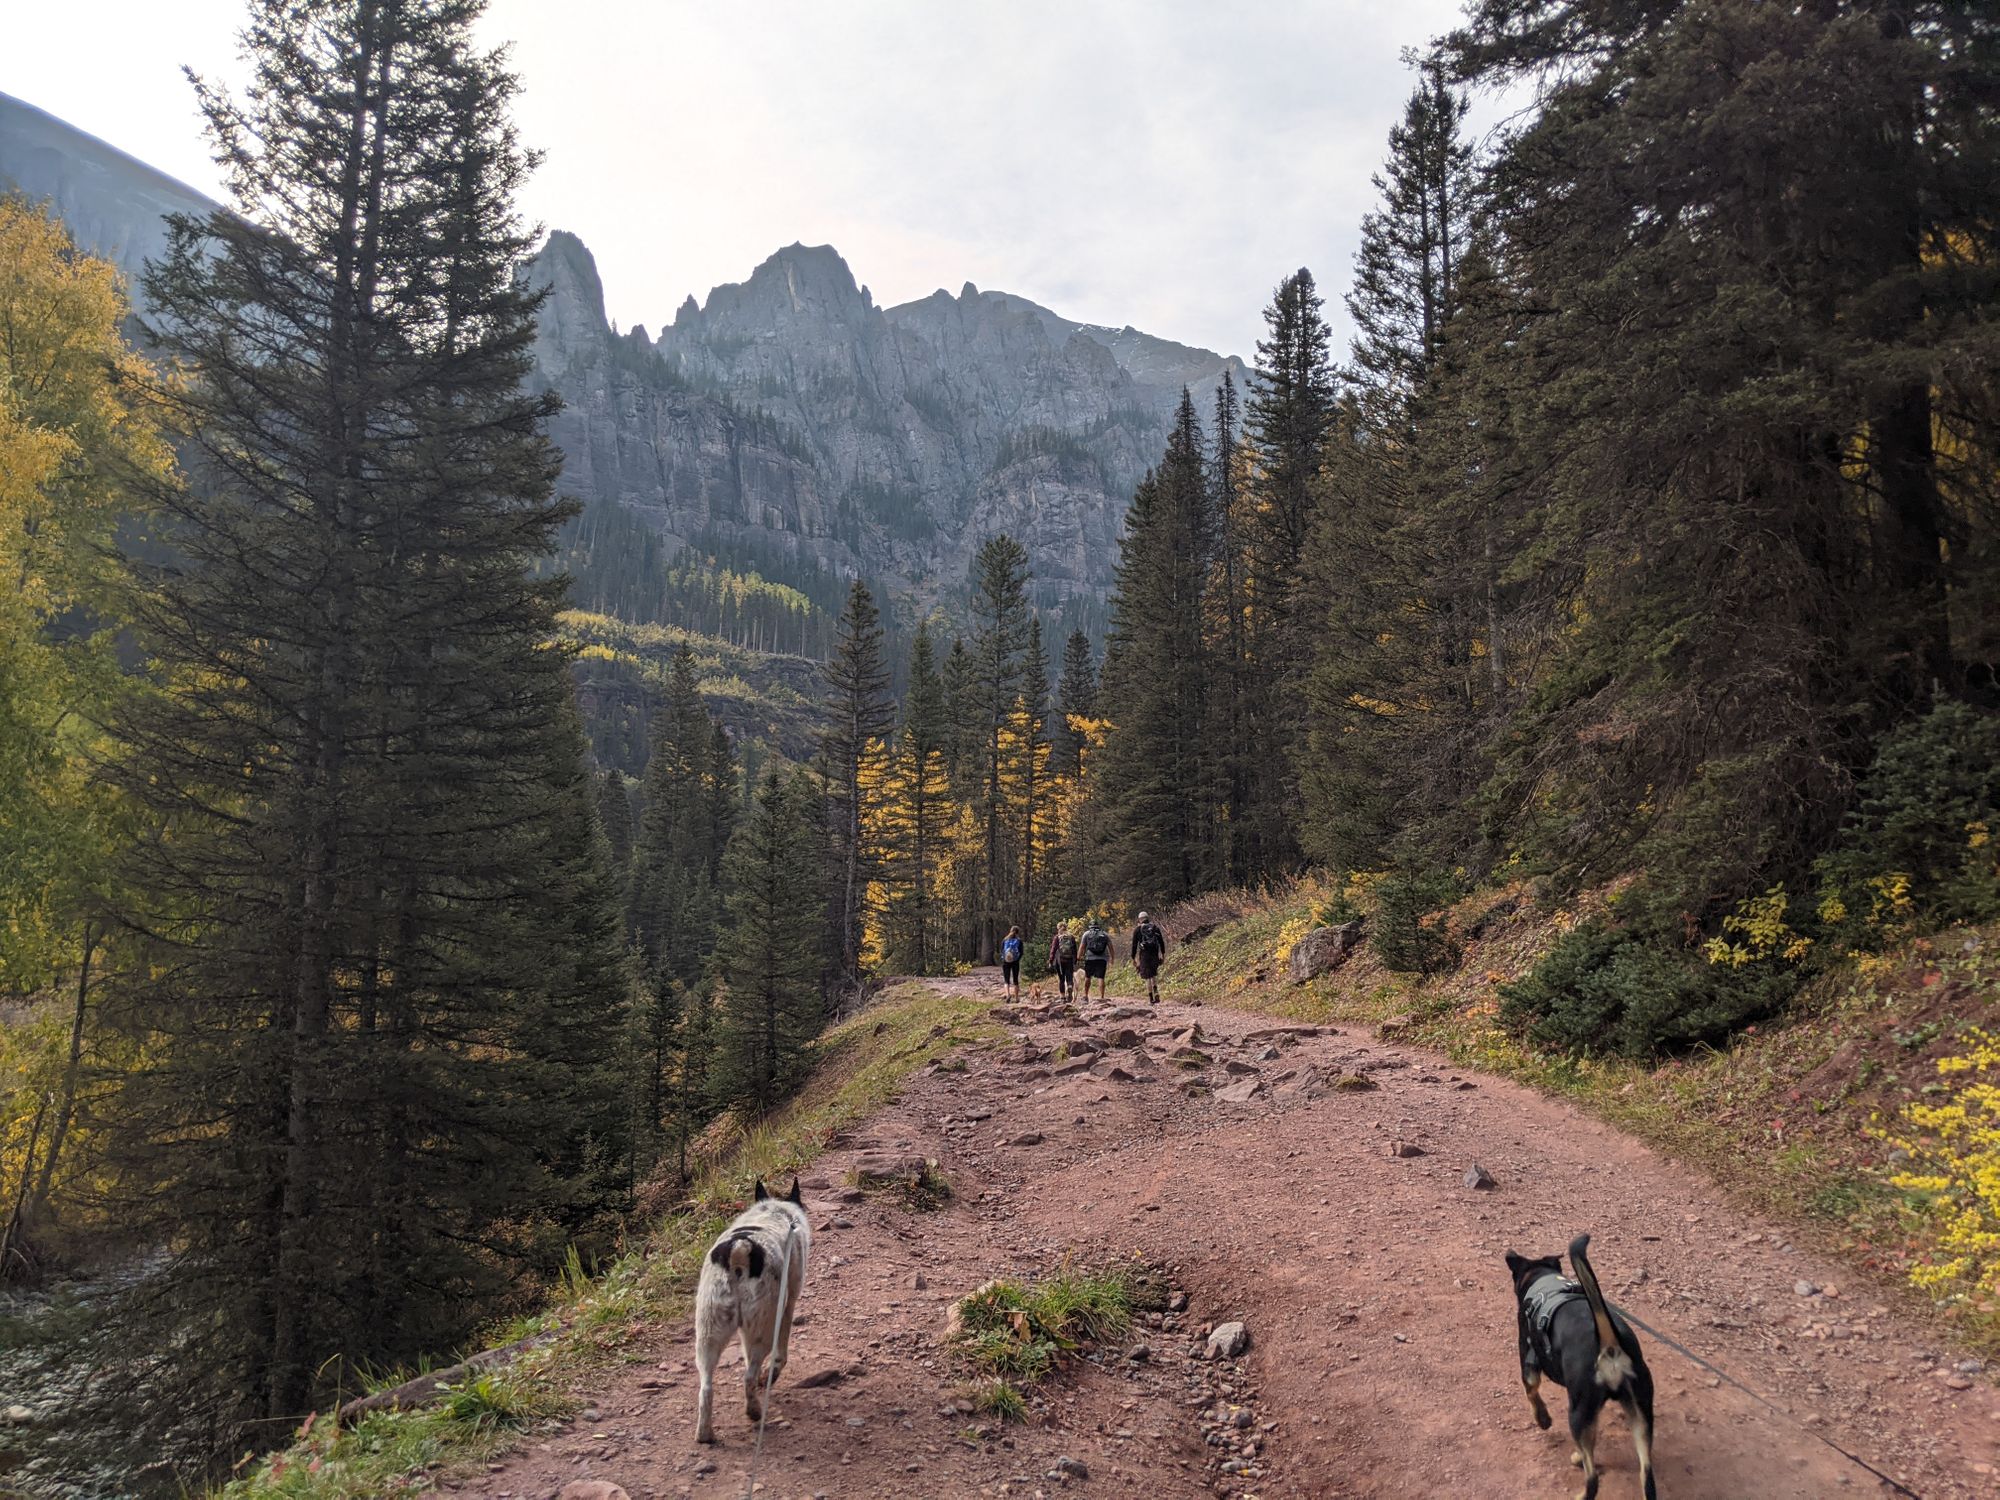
[1788,1116]
[923,1190]
[1012,1334]
[859,1066]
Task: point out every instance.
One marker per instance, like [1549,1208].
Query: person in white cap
[1149,949]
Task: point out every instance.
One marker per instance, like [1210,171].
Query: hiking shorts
[1147,962]
[1094,968]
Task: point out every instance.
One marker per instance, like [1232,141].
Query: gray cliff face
[788,424]
[677,452]
[789,408]
[113,205]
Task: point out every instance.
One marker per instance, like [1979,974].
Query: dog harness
[1547,1296]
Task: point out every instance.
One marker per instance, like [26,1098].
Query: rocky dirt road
[1382,1360]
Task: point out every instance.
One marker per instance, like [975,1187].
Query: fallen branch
[428,1387]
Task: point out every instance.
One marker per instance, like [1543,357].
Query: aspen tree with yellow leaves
[79,441]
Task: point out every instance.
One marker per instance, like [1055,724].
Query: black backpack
[1066,949]
[1151,940]
[1096,943]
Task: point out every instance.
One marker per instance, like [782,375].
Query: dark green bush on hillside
[1929,810]
[1605,989]
[1404,941]
[1920,850]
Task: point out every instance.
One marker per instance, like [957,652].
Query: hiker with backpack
[1010,961]
[1149,950]
[1097,955]
[1063,951]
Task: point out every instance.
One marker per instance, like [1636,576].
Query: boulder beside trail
[1228,1341]
[1323,950]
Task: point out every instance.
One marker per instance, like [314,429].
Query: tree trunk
[66,1102]
[10,1237]
[292,1358]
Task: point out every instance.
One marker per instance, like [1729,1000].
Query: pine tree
[1732,372]
[960,735]
[1405,686]
[1000,635]
[1076,697]
[1407,277]
[1290,416]
[678,853]
[614,816]
[1288,421]
[675,906]
[1156,780]
[377,917]
[1232,669]
[860,713]
[768,961]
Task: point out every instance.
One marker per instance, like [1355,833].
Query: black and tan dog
[1568,1332]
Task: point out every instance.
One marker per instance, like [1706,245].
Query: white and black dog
[750,1284]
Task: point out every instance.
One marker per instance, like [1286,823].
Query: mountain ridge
[786,424]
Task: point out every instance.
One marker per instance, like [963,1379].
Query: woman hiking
[1149,950]
[1062,962]
[1010,962]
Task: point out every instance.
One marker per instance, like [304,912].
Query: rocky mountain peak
[800,282]
[788,425]
[572,322]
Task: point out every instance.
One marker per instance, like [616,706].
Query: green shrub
[1404,941]
[1922,847]
[1605,989]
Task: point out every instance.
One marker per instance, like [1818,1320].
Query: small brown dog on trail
[1035,993]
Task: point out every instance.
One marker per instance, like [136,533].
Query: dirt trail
[1372,1284]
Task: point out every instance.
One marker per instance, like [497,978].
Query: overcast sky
[1154,162]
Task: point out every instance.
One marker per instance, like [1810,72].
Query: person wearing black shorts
[1096,957]
[1149,951]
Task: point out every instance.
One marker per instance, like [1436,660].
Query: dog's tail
[1614,1366]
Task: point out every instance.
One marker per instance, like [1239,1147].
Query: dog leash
[764,1411]
[1687,1353]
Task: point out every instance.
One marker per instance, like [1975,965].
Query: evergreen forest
[386,925]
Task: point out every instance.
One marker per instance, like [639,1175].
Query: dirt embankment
[1382,1359]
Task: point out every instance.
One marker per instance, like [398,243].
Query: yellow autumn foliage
[78,441]
[1954,1152]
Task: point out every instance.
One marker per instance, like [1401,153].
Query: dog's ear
[762,1192]
[794,1196]
[1516,1263]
